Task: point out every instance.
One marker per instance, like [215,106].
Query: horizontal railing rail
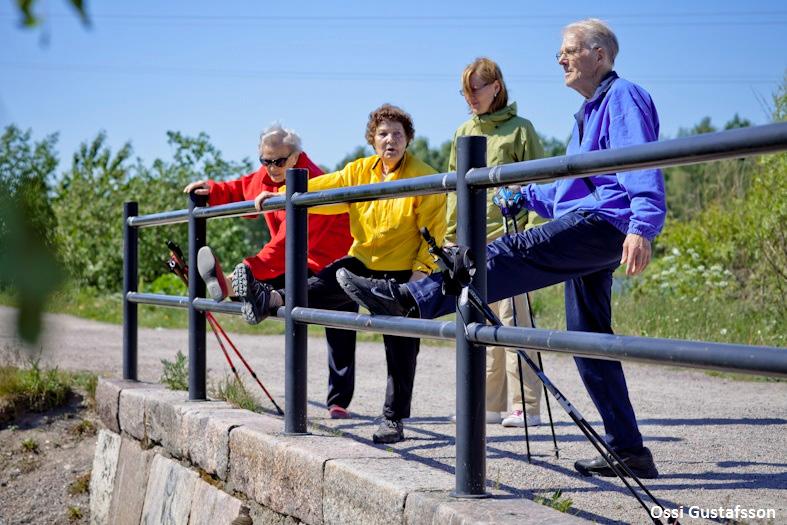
[468,181]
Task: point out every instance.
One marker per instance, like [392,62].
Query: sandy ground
[717,442]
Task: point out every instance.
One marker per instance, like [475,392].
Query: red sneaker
[337,412]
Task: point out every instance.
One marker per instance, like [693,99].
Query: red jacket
[329,235]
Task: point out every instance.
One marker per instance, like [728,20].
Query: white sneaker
[516,419]
[491,418]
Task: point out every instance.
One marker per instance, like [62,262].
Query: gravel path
[717,442]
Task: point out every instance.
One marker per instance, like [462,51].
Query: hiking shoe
[242,281]
[379,296]
[641,464]
[210,271]
[337,412]
[517,419]
[256,305]
[389,431]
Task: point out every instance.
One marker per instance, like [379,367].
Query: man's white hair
[277,135]
[596,33]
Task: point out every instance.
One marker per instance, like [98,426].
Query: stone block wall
[166,460]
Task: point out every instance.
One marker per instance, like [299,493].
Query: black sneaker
[256,296]
[389,431]
[640,464]
[379,296]
[210,271]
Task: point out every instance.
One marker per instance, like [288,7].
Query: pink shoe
[337,412]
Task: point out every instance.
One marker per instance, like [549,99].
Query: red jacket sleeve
[269,262]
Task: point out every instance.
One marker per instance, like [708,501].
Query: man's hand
[636,254]
[199,188]
[260,199]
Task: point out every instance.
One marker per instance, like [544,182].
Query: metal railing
[469,182]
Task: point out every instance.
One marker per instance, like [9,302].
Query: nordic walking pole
[611,457]
[541,366]
[177,265]
[519,361]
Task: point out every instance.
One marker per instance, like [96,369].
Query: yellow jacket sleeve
[337,179]
[430,213]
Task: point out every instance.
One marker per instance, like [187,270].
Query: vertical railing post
[295,349]
[197,233]
[471,359]
[130,282]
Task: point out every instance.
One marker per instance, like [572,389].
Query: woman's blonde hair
[488,71]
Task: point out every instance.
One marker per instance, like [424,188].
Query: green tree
[27,224]
[435,157]
[358,153]
[89,207]
[553,147]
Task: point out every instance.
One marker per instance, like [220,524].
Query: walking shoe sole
[240,281]
[210,271]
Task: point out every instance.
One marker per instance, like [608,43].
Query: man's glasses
[274,162]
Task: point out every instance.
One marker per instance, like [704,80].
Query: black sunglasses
[274,162]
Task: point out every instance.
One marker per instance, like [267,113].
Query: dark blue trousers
[581,250]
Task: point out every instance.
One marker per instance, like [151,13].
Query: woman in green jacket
[510,138]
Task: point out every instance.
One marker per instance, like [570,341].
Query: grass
[555,501]
[175,374]
[74,513]
[40,389]
[80,485]
[234,392]
[30,445]
[84,428]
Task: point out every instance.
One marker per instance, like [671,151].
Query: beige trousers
[502,375]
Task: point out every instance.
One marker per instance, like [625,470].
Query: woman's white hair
[596,33]
[277,135]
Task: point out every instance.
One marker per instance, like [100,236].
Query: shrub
[175,374]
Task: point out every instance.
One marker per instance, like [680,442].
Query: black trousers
[401,353]
[341,353]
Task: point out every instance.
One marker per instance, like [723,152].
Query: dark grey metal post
[197,232]
[471,359]
[130,282]
[295,350]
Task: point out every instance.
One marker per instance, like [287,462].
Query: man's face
[581,65]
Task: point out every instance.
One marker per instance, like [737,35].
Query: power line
[137,70]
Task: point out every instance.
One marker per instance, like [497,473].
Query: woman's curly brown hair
[392,113]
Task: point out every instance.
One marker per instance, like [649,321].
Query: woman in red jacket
[329,239]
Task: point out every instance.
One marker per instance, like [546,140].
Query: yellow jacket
[386,233]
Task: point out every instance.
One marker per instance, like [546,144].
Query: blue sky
[231,68]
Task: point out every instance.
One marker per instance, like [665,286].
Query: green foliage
[74,513]
[692,189]
[30,445]
[555,501]
[91,234]
[234,392]
[35,388]
[31,19]
[81,485]
[358,153]
[84,428]
[27,225]
[436,158]
[553,147]
[175,374]
[168,283]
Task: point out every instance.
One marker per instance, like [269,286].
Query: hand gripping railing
[469,180]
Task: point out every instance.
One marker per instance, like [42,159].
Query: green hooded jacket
[509,138]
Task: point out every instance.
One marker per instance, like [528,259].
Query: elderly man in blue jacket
[599,223]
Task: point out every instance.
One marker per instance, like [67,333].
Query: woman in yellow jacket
[387,244]
[510,138]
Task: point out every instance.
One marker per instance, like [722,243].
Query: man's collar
[603,86]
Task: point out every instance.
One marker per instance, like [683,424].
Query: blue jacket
[618,114]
